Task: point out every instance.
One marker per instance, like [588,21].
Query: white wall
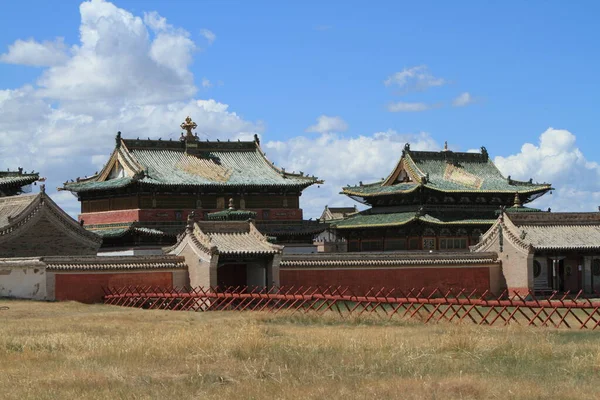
[24,279]
[151,251]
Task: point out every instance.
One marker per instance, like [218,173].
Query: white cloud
[206,83]
[557,160]
[463,99]
[341,161]
[408,107]
[208,35]
[30,52]
[326,124]
[173,51]
[414,78]
[120,77]
[118,61]
[155,22]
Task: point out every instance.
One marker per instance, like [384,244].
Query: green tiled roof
[367,219]
[231,215]
[378,189]
[95,185]
[118,230]
[449,221]
[520,209]
[213,164]
[16,179]
[447,171]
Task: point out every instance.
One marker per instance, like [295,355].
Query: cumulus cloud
[128,74]
[341,161]
[463,99]
[414,78]
[326,124]
[557,159]
[402,106]
[118,61]
[155,22]
[121,77]
[208,35]
[30,52]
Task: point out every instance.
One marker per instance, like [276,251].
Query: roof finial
[517,200]
[446,145]
[188,125]
[484,152]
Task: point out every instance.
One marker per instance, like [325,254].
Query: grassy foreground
[72,351]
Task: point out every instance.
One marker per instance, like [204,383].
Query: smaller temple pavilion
[228,251]
[140,200]
[34,225]
[432,201]
[16,182]
[546,251]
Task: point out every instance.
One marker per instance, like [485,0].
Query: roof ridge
[24,215]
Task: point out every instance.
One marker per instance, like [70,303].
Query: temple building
[16,182]
[433,201]
[228,251]
[141,199]
[546,251]
[33,225]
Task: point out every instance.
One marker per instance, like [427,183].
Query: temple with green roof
[143,195]
[433,201]
[16,182]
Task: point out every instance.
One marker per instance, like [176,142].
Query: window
[413,244]
[453,243]
[428,244]
[372,245]
[353,245]
[537,268]
[395,244]
[596,267]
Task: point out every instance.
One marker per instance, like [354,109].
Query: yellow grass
[73,351]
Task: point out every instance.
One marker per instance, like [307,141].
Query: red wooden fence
[556,310]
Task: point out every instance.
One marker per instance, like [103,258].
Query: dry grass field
[74,351]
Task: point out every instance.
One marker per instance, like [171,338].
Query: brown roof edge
[392,255]
[110,259]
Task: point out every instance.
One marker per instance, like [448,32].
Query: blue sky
[521,69]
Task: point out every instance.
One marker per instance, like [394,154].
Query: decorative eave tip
[406,149]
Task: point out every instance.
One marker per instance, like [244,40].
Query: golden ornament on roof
[188,125]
